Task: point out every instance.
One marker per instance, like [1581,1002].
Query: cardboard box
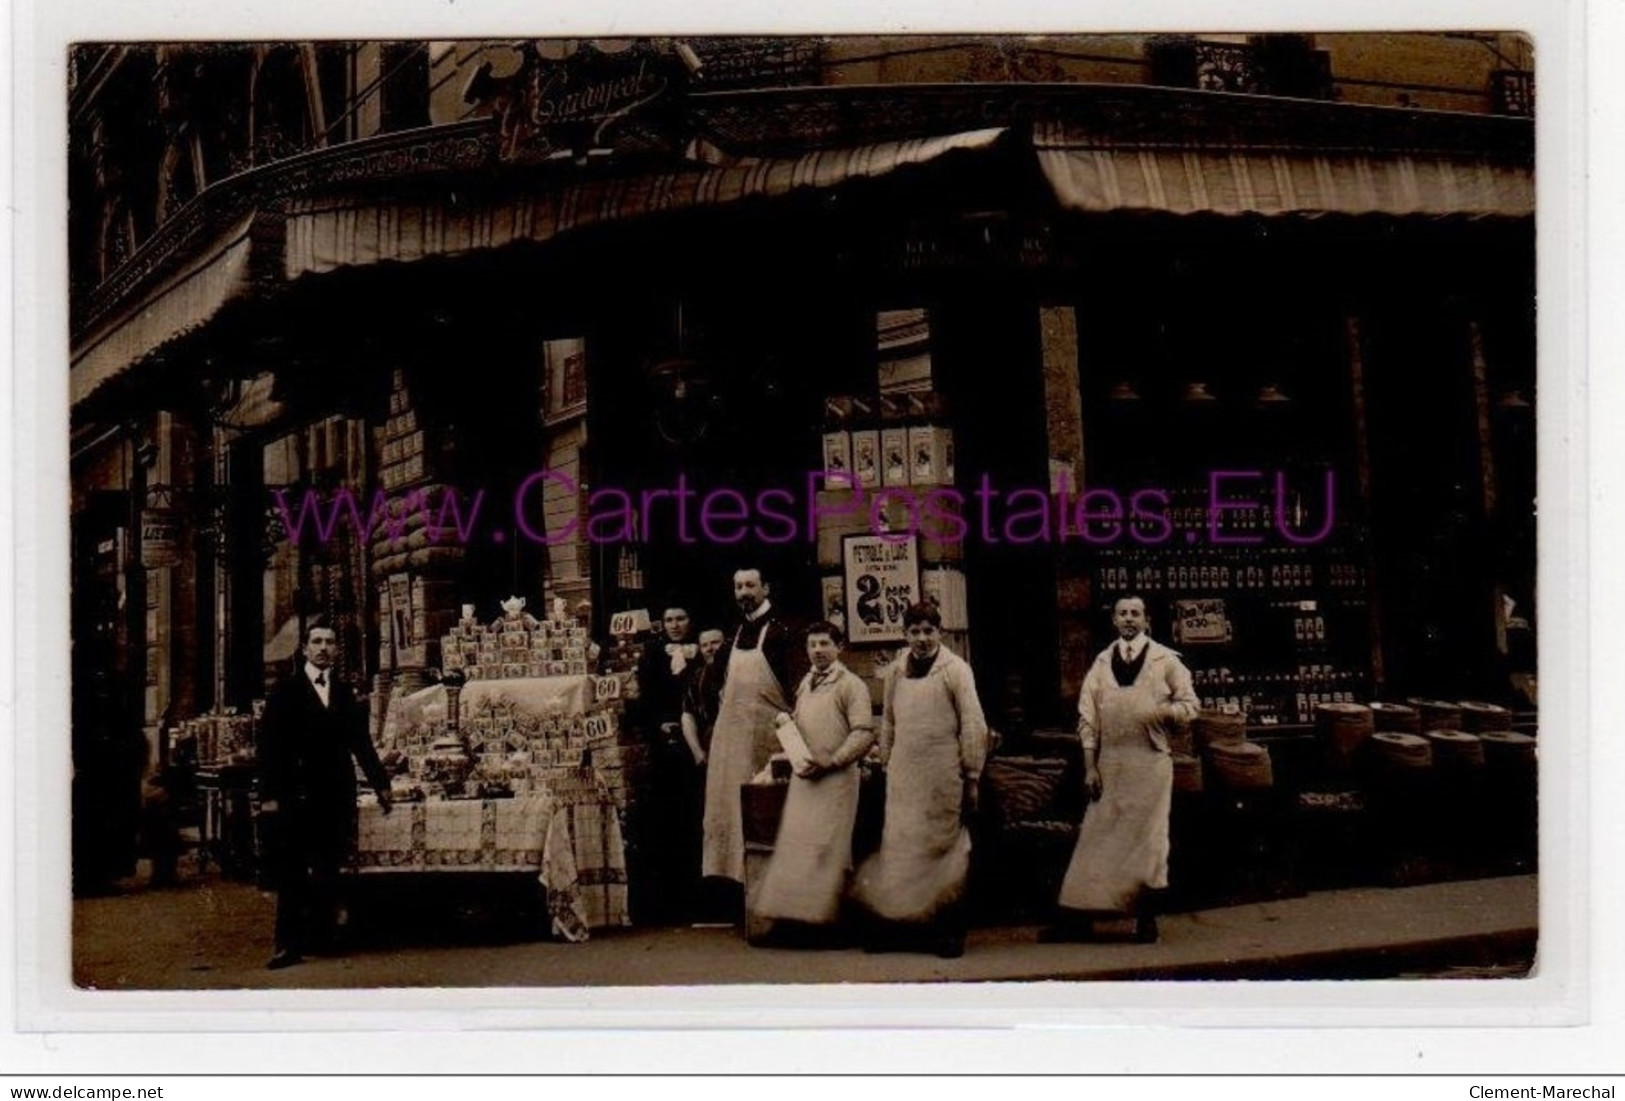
[838,452]
[894,457]
[924,462]
[866,457]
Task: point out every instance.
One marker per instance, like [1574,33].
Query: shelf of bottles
[1268,630]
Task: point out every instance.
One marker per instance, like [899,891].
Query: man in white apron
[1133,694]
[933,742]
[759,664]
[812,856]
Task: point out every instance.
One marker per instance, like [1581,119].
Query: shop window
[405,86]
[1512,92]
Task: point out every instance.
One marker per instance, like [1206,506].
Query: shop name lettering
[1275,509]
[600,100]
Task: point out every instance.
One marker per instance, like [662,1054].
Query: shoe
[283,958]
[1068,933]
[950,946]
[1145,930]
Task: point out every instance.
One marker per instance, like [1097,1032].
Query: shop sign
[575,103]
[882,580]
[160,537]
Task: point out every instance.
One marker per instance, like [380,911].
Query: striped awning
[1097,175]
[186,300]
[324,235]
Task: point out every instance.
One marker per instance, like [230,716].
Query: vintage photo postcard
[700,511]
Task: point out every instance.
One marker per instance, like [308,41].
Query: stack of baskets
[1478,718]
[1456,750]
[1342,729]
[1436,714]
[1396,716]
[1393,752]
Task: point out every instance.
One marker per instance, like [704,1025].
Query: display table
[575,850]
[226,832]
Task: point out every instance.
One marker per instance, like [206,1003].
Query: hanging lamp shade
[1270,396]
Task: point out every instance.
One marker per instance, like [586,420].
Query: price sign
[599,727]
[1199,622]
[882,580]
[627,624]
[605,689]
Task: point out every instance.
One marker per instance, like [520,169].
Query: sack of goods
[1396,716]
[1022,789]
[1187,773]
[1437,714]
[1391,749]
[1455,749]
[1219,728]
[1478,717]
[1342,729]
[1240,766]
[1505,749]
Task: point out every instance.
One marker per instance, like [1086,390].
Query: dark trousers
[670,824]
[307,861]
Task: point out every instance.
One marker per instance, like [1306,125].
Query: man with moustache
[762,663]
[312,731]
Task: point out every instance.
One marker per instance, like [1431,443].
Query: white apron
[1122,848]
[741,743]
[924,852]
[813,853]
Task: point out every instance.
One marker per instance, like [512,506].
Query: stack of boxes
[572,754]
[412,566]
[515,646]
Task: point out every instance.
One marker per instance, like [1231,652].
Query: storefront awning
[1097,175]
[183,302]
[324,235]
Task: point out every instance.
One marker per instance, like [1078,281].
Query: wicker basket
[1437,714]
[1396,716]
[1342,728]
[1478,717]
[1393,750]
[1456,749]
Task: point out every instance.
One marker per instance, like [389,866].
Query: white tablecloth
[576,850]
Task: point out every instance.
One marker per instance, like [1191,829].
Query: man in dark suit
[312,731]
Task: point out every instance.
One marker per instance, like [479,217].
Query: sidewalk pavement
[212,934]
